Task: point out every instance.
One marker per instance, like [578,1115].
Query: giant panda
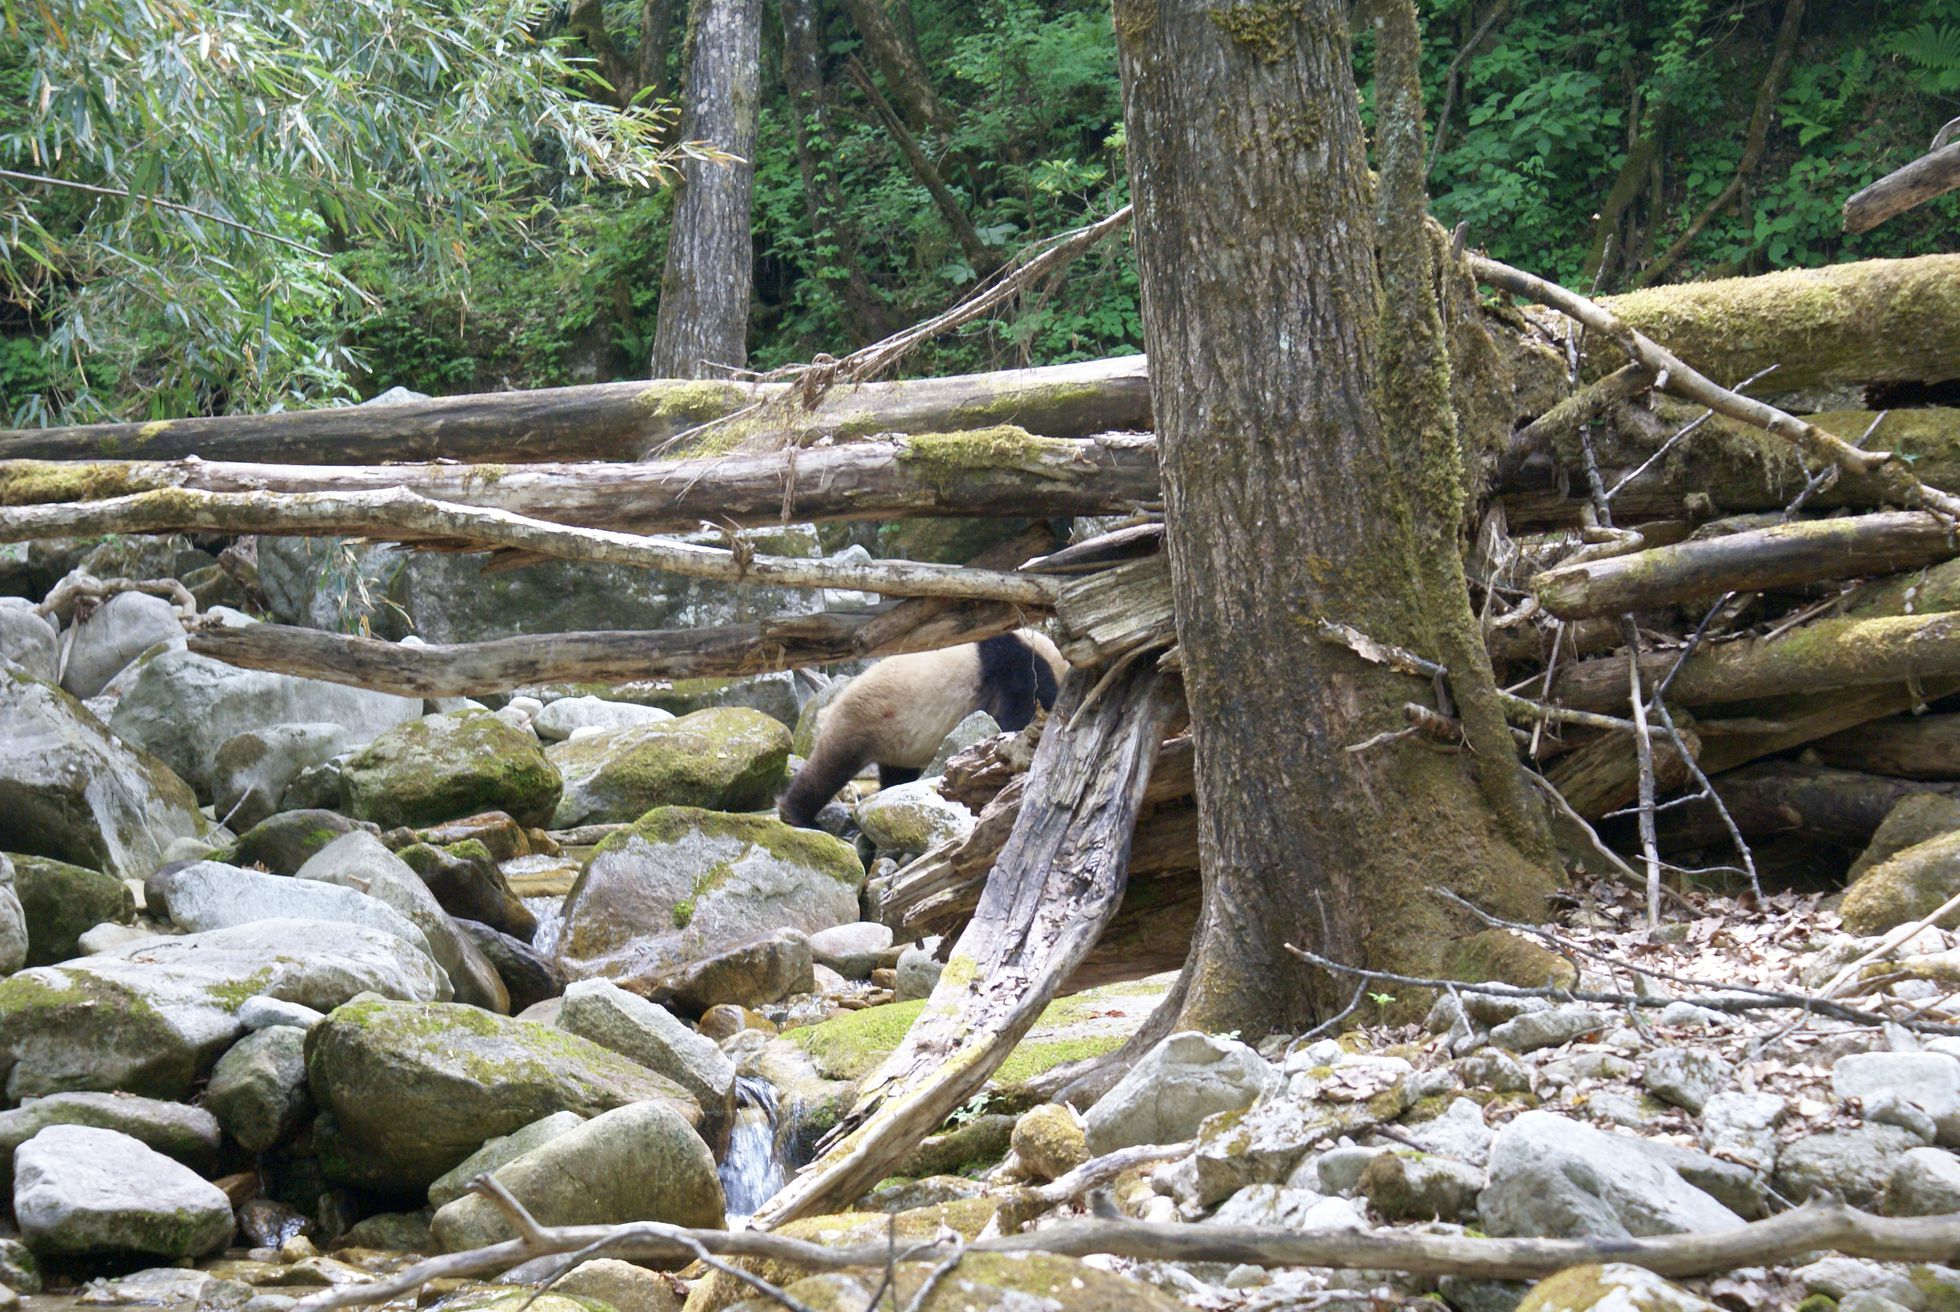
[897,712]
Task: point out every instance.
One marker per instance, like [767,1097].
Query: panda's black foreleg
[830,767]
[891,776]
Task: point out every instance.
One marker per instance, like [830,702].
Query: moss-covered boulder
[983,1282]
[637,1163]
[727,758]
[285,842]
[467,882]
[441,767]
[153,1016]
[1917,818]
[1498,955]
[63,902]
[1049,1141]
[1908,885]
[70,789]
[1616,1285]
[413,1089]
[682,884]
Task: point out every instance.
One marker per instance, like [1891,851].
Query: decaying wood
[1820,655]
[1676,376]
[500,664]
[1056,885]
[1119,611]
[1809,551]
[998,471]
[620,421]
[1905,746]
[1932,174]
[1781,797]
[403,516]
[1601,777]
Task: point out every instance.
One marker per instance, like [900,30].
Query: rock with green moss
[642,1162]
[285,842]
[1915,819]
[413,1089]
[467,883]
[682,884]
[983,1282]
[975,1143]
[1616,1285]
[622,1286]
[1909,885]
[911,818]
[13,921]
[190,1135]
[1501,956]
[80,1191]
[1049,1140]
[1406,1186]
[183,707]
[153,1016]
[71,790]
[441,767]
[258,1089]
[773,694]
[252,770]
[721,759]
[61,902]
[505,1148]
[765,969]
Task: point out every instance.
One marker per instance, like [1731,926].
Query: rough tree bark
[895,54]
[710,271]
[1262,314]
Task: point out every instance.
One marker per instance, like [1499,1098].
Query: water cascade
[756,1164]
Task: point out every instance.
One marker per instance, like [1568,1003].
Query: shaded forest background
[443,196]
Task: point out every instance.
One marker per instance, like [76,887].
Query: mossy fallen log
[1767,798]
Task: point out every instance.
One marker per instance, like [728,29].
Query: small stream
[550,911]
[756,1163]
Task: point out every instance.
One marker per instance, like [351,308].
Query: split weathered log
[726,651]
[1906,746]
[1786,555]
[622,421]
[995,471]
[1932,174]
[402,516]
[1599,778]
[1821,655]
[1783,797]
[1056,886]
[1675,376]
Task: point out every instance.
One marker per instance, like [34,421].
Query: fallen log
[500,664]
[1601,777]
[993,471]
[1905,746]
[1932,174]
[1811,551]
[1056,886]
[1782,797]
[621,421]
[399,515]
[1825,654]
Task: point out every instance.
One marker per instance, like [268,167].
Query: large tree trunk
[1285,506]
[895,54]
[710,272]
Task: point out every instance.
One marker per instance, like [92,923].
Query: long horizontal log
[403,516]
[1826,654]
[1786,555]
[725,651]
[994,471]
[621,421]
[1907,747]
[1782,797]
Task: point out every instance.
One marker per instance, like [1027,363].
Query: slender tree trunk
[816,151]
[656,31]
[710,273]
[894,52]
[1262,312]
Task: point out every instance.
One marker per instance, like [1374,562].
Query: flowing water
[550,911]
[755,1165]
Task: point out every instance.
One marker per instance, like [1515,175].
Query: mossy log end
[1805,552]
[622,421]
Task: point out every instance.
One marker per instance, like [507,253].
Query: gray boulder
[453,1184]
[26,639]
[1547,1029]
[441,767]
[1856,1165]
[152,1017]
[285,842]
[361,862]
[114,634]
[680,884]
[262,1013]
[1742,1127]
[252,770]
[82,1191]
[190,1135]
[1689,1077]
[720,759]
[529,976]
[183,707]
[258,1088]
[415,1088]
[853,951]
[636,1163]
[212,895]
[912,818]
[13,921]
[560,719]
[1929,1081]
[651,1035]
[975,728]
[1555,1178]
[468,884]
[69,789]
[1411,1187]
[918,971]
[1926,1182]
[61,902]
[1173,1087]
[752,974]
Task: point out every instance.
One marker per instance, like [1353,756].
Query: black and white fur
[897,712]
